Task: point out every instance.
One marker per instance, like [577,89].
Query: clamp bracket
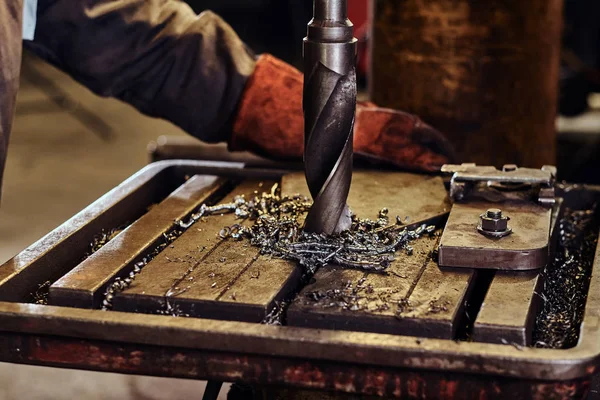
[478,233]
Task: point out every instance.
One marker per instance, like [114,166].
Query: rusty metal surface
[525,249]
[95,339]
[240,338]
[484,73]
[267,370]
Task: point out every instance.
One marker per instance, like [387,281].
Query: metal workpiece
[463,245]
[476,238]
[329,109]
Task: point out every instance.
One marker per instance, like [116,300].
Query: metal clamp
[478,235]
[498,185]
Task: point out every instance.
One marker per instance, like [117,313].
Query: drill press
[329,107]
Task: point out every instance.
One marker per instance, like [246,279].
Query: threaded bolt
[494,213]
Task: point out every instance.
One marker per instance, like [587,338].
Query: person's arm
[157,55]
[195,72]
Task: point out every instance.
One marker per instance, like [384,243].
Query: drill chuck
[329,107]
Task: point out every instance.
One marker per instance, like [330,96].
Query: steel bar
[84,285]
[509,312]
[329,108]
[37,264]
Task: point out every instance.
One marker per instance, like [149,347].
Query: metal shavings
[347,297]
[404,306]
[172,310]
[120,283]
[382,307]
[101,239]
[41,294]
[515,345]
[277,314]
[436,306]
[352,296]
[277,230]
[566,281]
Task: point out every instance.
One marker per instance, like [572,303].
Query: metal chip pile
[566,282]
[277,230]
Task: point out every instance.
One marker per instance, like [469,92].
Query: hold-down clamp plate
[524,196]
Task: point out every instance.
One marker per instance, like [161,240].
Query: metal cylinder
[329,108]
[483,72]
[331,10]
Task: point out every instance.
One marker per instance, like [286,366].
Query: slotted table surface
[202,275]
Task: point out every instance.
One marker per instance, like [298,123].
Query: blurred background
[68,147]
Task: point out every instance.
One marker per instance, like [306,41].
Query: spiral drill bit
[329,108]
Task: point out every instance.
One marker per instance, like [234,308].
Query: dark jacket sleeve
[157,55]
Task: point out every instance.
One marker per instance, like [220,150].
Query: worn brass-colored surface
[507,313]
[483,72]
[525,249]
[415,297]
[430,299]
[373,190]
[84,285]
[439,299]
[378,308]
[203,275]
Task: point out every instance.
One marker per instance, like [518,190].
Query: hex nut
[494,223]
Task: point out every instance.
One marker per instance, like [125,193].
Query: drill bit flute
[329,108]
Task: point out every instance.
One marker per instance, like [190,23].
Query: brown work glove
[270,122]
